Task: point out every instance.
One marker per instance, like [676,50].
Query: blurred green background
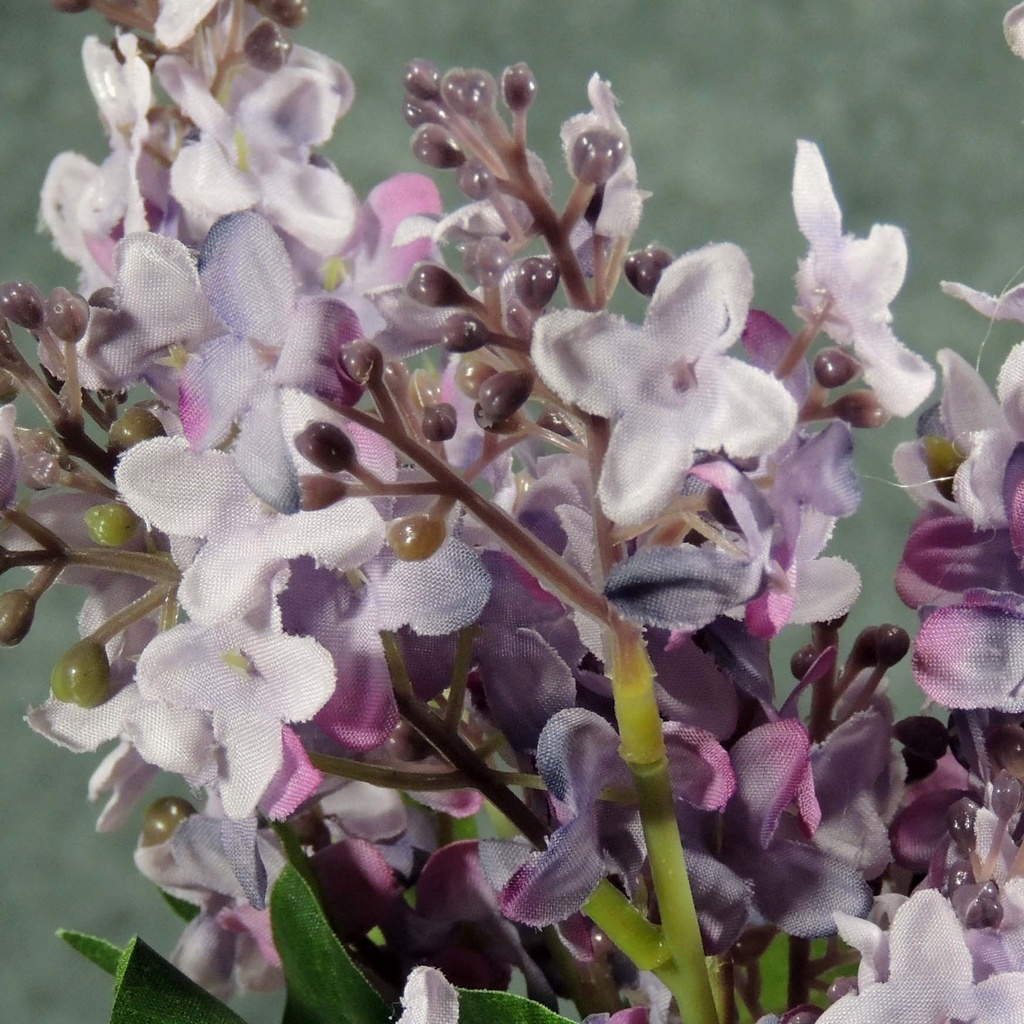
[917,107]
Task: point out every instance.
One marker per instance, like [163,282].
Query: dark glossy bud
[863,653]
[978,906]
[833,368]
[327,446]
[82,675]
[135,424]
[802,660]
[422,80]
[643,268]
[433,146]
[21,302]
[961,819]
[891,644]
[432,285]
[536,281]
[71,6]
[503,395]
[1007,796]
[959,873]
[162,817]
[416,537]
[475,179]
[17,610]
[1006,746]
[289,13]
[266,47]
[361,361]
[840,987]
[925,736]
[518,319]
[103,298]
[317,492]
[463,332]
[469,91]
[860,409]
[486,260]
[518,87]
[417,112]
[439,422]
[67,314]
[470,375]
[596,155]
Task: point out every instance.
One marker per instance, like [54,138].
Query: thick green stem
[643,749]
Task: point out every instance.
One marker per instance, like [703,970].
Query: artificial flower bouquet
[449,589]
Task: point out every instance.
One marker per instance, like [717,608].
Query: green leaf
[149,990]
[480,1007]
[185,910]
[324,985]
[102,953]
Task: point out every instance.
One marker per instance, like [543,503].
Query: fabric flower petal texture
[847,283]
[667,386]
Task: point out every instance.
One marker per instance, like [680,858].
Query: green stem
[643,749]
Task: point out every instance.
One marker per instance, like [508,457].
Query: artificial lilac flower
[429,998]
[255,155]
[667,386]
[179,19]
[922,970]
[971,654]
[621,200]
[10,456]
[251,683]
[202,495]
[849,282]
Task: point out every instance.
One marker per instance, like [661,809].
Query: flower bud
[135,424]
[433,146]
[596,155]
[891,644]
[17,609]
[1006,797]
[833,368]
[487,260]
[111,524]
[469,91]
[961,819]
[470,375]
[943,459]
[416,537]
[475,179]
[162,817]
[1006,746]
[361,361]
[266,47]
[422,79]
[518,319]
[463,332]
[317,492]
[432,285]
[439,421]
[978,906]
[959,873]
[518,87]
[802,659]
[503,394]
[103,298]
[82,675]
[536,281]
[21,302]
[327,446]
[289,13]
[840,987]
[67,314]
[417,112]
[643,268]
[860,409]
[923,735]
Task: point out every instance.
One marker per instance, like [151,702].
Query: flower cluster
[451,589]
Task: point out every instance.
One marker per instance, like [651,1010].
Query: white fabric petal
[1010,389]
[1007,306]
[184,492]
[967,401]
[826,589]
[598,361]
[80,729]
[189,90]
[901,379]
[208,183]
[176,739]
[67,179]
[1013,29]
[429,998]
[293,109]
[253,755]
[815,204]
[178,20]
[978,482]
[126,775]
